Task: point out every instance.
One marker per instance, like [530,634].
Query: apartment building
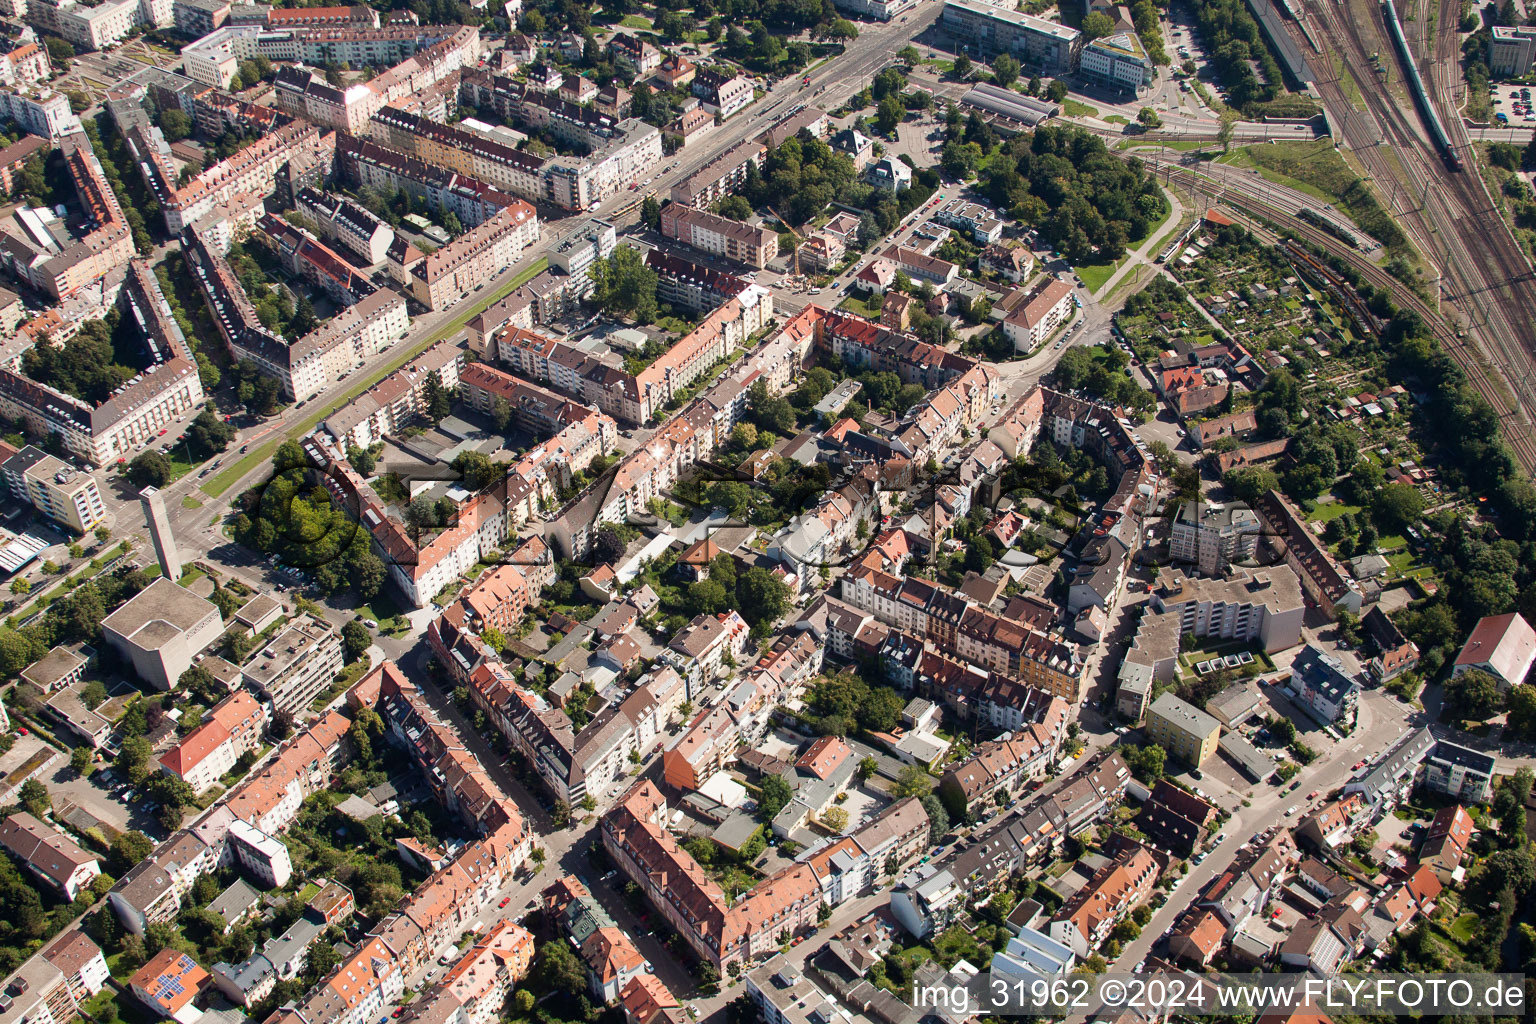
[1262,606]
[23,63]
[988,29]
[233,728]
[263,857]
[708,232]
[690,901]
[63,494]
[685,284]
[1116,889]
[161,629]
[1286,532]
[301,660]
[48,854]
[167,984]
[39,110]
[39,992]
[348,224]
[303,256]
[396,400]
[720,177]
[86,27]
[1035,319]
[253,169]
[361,162]
[1213,536]
[574,254]
[1182,729]
[475,257]
[1323,686]
[1459,773]
[197,18]
[315,361]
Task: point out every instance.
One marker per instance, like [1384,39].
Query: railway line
[1517,430]
[1449,216]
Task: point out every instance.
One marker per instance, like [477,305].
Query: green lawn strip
[635,21]
[231,476]
[1075,108]
[1326,512]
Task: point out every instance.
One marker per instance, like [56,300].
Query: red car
[1358,765]
[1313,795]
[167,430]
[504,901]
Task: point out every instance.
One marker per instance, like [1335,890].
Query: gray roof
[1185,714]
[162,601]
[1398,763]
[232,904]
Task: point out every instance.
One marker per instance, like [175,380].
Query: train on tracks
[1437,132]
[1322,223]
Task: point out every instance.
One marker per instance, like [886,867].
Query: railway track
[1516,429]
[1450,217]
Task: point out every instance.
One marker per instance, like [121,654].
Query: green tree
[1147,116]
[761,596]
[33,796]
[174,124]
[775,793]
[623,284]
[1005,70]
[1147,763]
[889,113]
[1096,26]
[962,66]
[912,781]
[1396,507]
[355,639]
[1473,695]
[80,759]
[650,213]
[150,469]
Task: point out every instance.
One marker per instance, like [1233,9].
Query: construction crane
[797,240]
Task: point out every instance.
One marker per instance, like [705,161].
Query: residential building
[1395,653]
[1212,536]
[879,10]
[168,983]
[1390,776]
[68,497]
[723,93]
[889,174]
[692,903]
[980,222]
[612,963]
[1182,729]
[1332,824]
[1262,607]
[1504,646]
[709,232]
[262,856]
[1286,532]
[1445,843]
[300,661]
[1117,61]
[988,29]
[475,257]
[1035,319]
[39,110]
[161,629]
[234,727]
[347,223]
[82,963]
[85,27]
[1117,888]
[1459,773]
[1320,682]
[50,855]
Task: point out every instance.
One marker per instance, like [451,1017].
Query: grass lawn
[1096,275]
[222,482]
[1178,145]
[382,607]
[1463,927]
[1117,119]
[855,304]
[1327,512]
[187,501]
[636,21]
[1075,108]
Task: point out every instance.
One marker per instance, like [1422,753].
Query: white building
[42,112]
[260,854]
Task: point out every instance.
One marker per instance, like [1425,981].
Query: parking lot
[1512,104]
